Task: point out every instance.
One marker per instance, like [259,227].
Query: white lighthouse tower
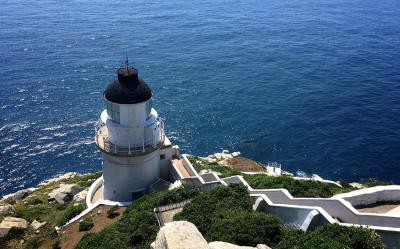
[130,136]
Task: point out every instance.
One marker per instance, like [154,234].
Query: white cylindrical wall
[133,114]
[124,176]
[136,124]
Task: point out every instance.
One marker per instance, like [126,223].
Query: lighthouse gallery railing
[130,148]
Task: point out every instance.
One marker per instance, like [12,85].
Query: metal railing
[130,148]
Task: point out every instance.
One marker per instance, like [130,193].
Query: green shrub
[373,182]
[70,213]
[15,233]
[332,237]
[32,242]
[298,188]
[353,237]
[138,226]
[31,213]
[86,224]
[33,201]
[57,244]
[247,228]
[206,207]
[225,214]
[297,239]
[112,212]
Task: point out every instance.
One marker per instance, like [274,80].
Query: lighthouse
[130,135]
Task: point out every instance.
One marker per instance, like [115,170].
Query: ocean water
[312,84]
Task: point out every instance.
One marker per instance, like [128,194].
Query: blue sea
[311,84]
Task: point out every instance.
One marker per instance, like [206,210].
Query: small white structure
[131,138]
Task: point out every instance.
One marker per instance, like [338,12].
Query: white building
[130,135]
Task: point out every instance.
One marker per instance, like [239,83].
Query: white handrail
[131,147]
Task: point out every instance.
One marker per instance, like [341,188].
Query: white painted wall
[124,175]
[136,126]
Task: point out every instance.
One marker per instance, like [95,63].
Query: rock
[62,197]
[225,152]
[226,156]
[211,160]
[236,154]
[225,245]
[357,185]
[10,222]
[98,212]
[174,185]
[36,225]
[223,162]
[218,156]
[204,171]
[81,196]
[64,193]
[59,178]
[211,156]
[179,235]
[7,209]
[22,194]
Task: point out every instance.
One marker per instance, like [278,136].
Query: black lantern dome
[128,88]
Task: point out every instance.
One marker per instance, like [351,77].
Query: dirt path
[70,236]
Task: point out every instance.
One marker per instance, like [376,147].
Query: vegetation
[373,182]
[33,201]
[298,188]
[112,212]
[225,213]
[45,238]
[86,224]
[70,213]
[84,181]
[37,207]
[332,237]
[200,164]
[222,214]
[138,226]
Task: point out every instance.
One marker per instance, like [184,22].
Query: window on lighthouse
[149,105]
[113,112]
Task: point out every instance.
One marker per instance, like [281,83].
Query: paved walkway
[390,209]
[179,167]
[98,195]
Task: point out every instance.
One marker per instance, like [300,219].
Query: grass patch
[200,164]
[298,188]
